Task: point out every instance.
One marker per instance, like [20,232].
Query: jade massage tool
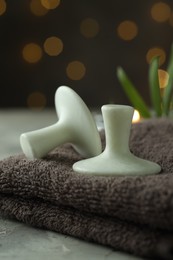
[75,125]
[116,159]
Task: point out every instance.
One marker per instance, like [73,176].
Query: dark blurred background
[48,43]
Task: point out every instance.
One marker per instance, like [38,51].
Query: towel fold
[132,214]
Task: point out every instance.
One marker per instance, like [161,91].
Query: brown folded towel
[132,214]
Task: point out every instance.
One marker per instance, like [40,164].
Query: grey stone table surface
[22,242]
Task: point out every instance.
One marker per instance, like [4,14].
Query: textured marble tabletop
[19,241]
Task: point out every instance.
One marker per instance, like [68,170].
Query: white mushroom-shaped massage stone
[116,159]
[75,125]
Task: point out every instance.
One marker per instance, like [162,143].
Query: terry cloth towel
[131,214]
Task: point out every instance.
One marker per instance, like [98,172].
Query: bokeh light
[3,7]
[156,51]
[53,46]
[136,117]
[75,70]
[163,78]
[36,100]
[50,4]
[160,12]
[89,27]
[171,19]
[32,53]
[127,30]
[37,8]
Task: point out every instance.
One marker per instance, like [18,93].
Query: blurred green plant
[161,104]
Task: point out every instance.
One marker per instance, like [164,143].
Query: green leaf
[168,92]
[133,95]
[154,86]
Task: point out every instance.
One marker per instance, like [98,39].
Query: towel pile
[130,214]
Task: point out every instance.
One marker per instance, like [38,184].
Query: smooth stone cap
[73,111]
[122,165]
